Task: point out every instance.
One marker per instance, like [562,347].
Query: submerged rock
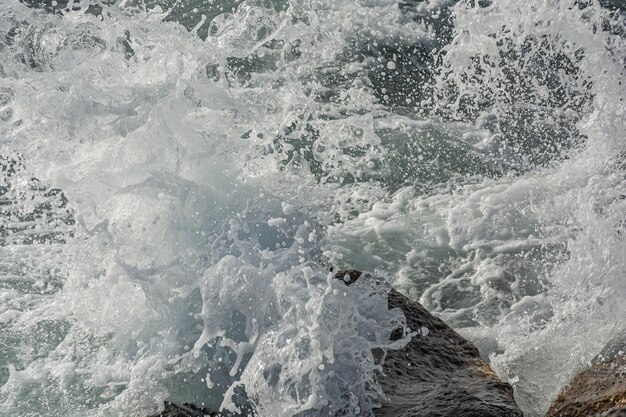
[601,388]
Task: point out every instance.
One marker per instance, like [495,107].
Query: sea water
[179,179]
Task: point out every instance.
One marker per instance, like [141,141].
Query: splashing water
[178,179]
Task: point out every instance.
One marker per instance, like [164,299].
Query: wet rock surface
[183,410]
[599,389]
[616,412]
[437,374]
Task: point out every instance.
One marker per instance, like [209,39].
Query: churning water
[178,178]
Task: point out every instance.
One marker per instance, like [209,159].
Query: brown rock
[616,412]
[601,388]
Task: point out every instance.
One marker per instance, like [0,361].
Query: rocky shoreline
[441,374]
[437,374]
[599,389]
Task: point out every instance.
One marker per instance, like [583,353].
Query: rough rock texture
[601,388]
[616,412]
[185,410]
[439,373]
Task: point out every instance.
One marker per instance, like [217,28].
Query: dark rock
[600,388]
[185,410]
[616,412]
[438,373]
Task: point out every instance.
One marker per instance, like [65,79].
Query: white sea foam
[211,184]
